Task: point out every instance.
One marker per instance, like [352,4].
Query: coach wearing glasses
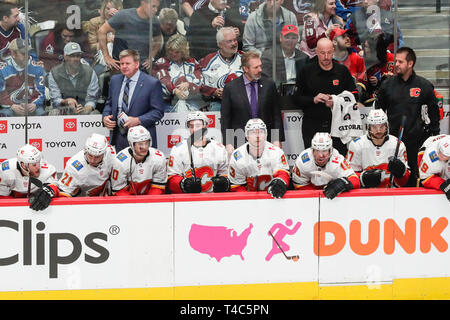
[135,98]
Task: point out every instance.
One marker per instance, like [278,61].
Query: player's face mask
[31,169]
[256,138]
[141,148]
[378,131]
[94,160]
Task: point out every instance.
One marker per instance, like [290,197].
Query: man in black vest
[73,84]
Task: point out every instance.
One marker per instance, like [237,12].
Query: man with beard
[407,94]
[371,155]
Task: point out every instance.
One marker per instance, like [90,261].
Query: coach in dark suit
[135,94]
[250,96]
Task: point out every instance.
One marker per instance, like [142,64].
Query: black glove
[396,167]
[445,187]
[371,178]
[221,184]
[41,199]
[277,188]
[336,186]
[191,185]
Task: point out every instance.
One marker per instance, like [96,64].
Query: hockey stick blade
[293,258]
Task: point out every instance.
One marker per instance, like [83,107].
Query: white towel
[346,120]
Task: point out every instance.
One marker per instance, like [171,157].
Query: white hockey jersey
[216,70]
[363,155]
[307,173]
[430,165]
[80,178]
[13,183]
[253,174]
[140,177]
[209,161]
[345,117]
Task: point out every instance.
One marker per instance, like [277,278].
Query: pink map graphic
[218,242]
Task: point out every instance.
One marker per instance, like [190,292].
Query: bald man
[316,82]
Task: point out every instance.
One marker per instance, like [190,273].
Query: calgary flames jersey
[208,161]
[363,155]
[306,174]
[247,173]
[13,183]
[432,171]
[147,177]
[80,178]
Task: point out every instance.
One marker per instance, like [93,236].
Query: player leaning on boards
[434,163]
[87,174]
[373,156]
[139,169]
[16,173]
[198,164]
[322,166]
[259,165]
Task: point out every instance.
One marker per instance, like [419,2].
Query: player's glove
[396,167]
[445,187]
[41,199]
[277,188]
[371,178]
[191,185]
[220,184]
[336,186]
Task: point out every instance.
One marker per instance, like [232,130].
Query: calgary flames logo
[414,92]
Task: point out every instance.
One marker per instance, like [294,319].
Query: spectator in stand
[170,25]
[107,10]
[289,61]
[52,47]
[12,80]
[220,67]
[319,24]
[179,75]
[343,55]
[379,64]
[131,30]
[73,85]
[10,28]
[360,19]
[204,25]
[258,31]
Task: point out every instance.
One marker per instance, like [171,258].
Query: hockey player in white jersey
[86,173]
[15,173]
[259,165]
[139,169]
[322,166]
[208,160]
[372,155]
[434,163]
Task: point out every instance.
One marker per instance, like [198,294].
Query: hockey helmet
[377,116]
[197,115]
[96,145]
[138,134]
[28,154]
[444,146]
[322,141]
[255,124]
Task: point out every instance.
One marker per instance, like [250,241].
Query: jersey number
[66,180]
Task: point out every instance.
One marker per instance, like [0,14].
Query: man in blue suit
[135,98]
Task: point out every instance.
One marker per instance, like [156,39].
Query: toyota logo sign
[70,124]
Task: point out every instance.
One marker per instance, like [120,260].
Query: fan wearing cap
[197,164]
[372,155]
[321,166]
[13,98]
[15,173]
[139,169]
[289,60]
[73,84]
[342,54]
[434,163]
[259,165]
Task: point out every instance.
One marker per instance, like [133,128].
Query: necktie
[126,91]
[253,99]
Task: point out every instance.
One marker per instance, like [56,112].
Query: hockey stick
[399,140]
[195,136]
[293,258]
